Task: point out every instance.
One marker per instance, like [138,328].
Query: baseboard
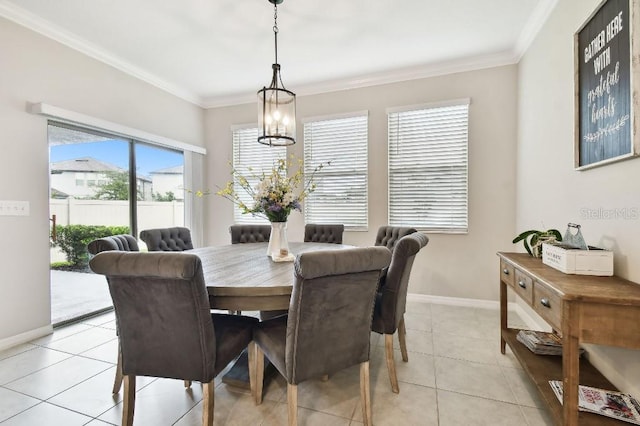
[25,337]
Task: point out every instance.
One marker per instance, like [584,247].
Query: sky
[148,158]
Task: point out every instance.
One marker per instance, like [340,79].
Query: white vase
[278,243]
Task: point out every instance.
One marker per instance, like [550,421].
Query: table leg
[238,375]
[570,368]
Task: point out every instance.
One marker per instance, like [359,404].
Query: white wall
[36,69]
[451,265]
[550,191]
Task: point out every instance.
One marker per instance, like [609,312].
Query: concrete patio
[77,295]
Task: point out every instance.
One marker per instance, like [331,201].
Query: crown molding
[534,25]
[41,26]
[527,36]
[539,16]
[376,79]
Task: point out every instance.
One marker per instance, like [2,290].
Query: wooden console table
[581,309]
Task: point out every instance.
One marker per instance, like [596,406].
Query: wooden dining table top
[243,277]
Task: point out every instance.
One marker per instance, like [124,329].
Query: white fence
[151,214]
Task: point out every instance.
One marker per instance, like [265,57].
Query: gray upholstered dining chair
[323,233]
[391,299]
[122,242]
[177,238]
[388,235]
[329,323]
[166,328]
[241,234]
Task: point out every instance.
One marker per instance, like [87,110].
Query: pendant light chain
[275,28]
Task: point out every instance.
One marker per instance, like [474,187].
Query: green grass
[61,265]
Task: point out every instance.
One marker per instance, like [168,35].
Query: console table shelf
[542,368]
[581,309]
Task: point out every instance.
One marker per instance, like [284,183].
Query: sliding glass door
[160,173]
[101,185]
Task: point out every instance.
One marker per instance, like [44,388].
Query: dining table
[242,277]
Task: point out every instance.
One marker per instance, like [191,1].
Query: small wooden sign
[606,85]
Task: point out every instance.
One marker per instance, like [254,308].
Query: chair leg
[117,383]
[365,393]
[207,403]
[402,338]
[129,400]
[391,366]
[258,372]
[251,352]
[292,404]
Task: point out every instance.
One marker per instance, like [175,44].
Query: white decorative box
[594,261]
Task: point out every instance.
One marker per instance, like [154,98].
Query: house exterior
[83,177]
[169,179]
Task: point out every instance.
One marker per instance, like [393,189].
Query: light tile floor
[455,376]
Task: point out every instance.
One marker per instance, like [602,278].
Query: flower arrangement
[274,197]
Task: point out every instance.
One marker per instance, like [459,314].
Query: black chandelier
[276,104]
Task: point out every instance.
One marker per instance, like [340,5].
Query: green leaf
[556,234]
[524,235]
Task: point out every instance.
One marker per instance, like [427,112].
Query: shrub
[73,240]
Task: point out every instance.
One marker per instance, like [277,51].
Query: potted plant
[533,239]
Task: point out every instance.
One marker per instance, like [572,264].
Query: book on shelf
[614,404]
[541,343]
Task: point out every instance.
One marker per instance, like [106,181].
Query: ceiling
[213,52]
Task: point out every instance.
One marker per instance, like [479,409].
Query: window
[102,167]
[341,194]
[428,165]
[249,154]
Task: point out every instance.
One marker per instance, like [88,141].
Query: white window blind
[251,158]
[428,163]
[341,193]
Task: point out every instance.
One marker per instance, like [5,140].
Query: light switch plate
[14,208]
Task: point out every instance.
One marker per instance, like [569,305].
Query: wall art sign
[606,85]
